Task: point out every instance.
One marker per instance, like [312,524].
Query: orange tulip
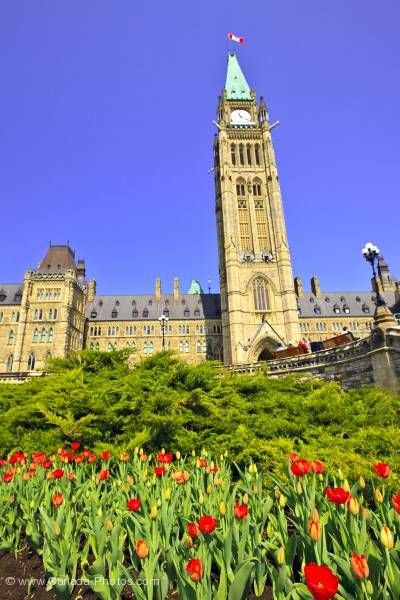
[314,530]
[359,566]
[142,549]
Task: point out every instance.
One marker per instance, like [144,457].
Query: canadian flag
[235,38]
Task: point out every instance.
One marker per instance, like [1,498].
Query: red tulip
[195,569]
[202,463]
[317,467]
[75,446]
[293,457]
[39,457]
[321,581]
[58,499]
[17,457]
[134,504]
[104,475]
[160,471]
[359,566]
[165,457]
[92,458]
[57,474]
[241,511]
[337,495]
[105,455]
[47,464]
[300,467]
[382,470]
[193,530]
[396,502]
[207,524]
[7,477]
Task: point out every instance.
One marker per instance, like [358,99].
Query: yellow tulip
[387,537]
[109,525]
[280,556]
[282,500]
[353,505]
[201,499]
[167,494]
[178,455]
[222,508]
[361,482]
[245,499]
[299,488]
[378,496]
[346,485]
[154,511]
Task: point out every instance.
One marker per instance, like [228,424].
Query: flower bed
[166,526]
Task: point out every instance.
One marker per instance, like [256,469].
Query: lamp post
[163,320]
[371,255]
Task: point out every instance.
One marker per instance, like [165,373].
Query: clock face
[241,117]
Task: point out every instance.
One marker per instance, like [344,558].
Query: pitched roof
[12,293]
[128,308]
[358,304]
[236,86]
[58,259]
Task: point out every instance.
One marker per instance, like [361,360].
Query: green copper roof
[236,85]
[195,287]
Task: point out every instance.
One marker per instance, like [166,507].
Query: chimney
[158,289]
[176,288]
[298,287]
[315,287]
[91,290]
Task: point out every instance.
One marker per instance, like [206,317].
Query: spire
[236,86]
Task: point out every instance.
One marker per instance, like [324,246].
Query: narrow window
[31,361]
[43,336]
[241,154]
[10,361]
[186,346]
[180,346]
[198,348]
[233,154]
[11,337]
[50,335]
[260,294]
[36,335]
[248,148]
[257,154]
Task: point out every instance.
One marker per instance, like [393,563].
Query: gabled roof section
[10,293]
[236,86]
[58,260]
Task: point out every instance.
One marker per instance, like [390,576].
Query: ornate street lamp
[163,320]
[371,255]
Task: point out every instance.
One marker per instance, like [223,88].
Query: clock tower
[258,301]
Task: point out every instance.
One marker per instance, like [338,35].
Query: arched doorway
[263,350]
[265,354]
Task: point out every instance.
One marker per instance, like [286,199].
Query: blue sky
[106,133]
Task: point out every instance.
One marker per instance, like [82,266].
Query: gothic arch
[263,350]
[269,286]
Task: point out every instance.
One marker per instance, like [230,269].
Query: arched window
[50,314]
[260,294]
[110,347]
[11,337]
[10,361]
[145,348]
[97,346]
[55,314]
[50,335]
[91,346]
[233,154]
[36,335]
[241,154]
[198,347]
[109,331]
[151,348]
[40,314]
[201,328]
[43,335]
[257,187]
[243,216]
[186,346]
[248,152]
[31,361]
[257,154]
[180,346]
[205,347]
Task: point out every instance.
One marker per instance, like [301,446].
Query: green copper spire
[236,86]
[195,287]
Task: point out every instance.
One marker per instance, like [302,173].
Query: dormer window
[133,302]
[117,303]
[100,302]
[317,309]
[3,295]
[18,296]
[145,314]
[186,312]
[342,299]
[93,314]
[183,301]
[197,312]
[365,308]
[135,314]
[312,300]
[336,309]
[166,312]
[327,299]
[114,314]
[346,309]
[150,302]
[358,299]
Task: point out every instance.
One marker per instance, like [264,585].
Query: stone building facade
[56,311]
